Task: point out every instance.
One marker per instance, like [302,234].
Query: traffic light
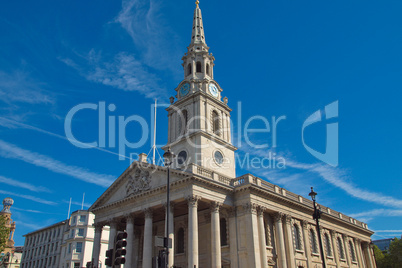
[109,257]
[120,251]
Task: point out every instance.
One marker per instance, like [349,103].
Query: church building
[215,218]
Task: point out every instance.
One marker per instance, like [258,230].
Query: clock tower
[199,118]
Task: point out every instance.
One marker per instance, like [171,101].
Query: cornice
[252,188]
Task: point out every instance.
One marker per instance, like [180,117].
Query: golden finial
[197,3]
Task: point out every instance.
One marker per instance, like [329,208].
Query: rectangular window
[78,248]
[69,248]
[74,220]
[83,218]
[77,265]
[80,232]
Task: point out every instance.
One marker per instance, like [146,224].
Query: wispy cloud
[34,211]
[24,185]
[378,212]
[31,226]
[29,91]
[125,72]
[11,151]
[334,176]
[87,205]
[144,22]
[29,197]
[388,231]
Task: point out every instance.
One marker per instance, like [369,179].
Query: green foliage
[390,259]
[4,233]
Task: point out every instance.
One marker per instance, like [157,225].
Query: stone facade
[66,244]
[217,219]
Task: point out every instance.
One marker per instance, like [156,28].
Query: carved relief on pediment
[138,182]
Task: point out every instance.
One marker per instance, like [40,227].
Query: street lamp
[316,217]
[168,156]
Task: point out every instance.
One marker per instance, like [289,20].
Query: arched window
[183,119]
[180,241]
[215,123]
[341,250]
[328,245]
[198,69]
[352,251]
[189,71]
[224,239]
[208,69]
[313,239]
[298,243]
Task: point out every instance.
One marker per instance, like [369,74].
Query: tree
[395,253]
[378,255]
[391,258]
[4,233]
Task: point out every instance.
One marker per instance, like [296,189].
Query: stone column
[335,252]
[171,233]
[358,249]
[233,239]
[147,247]
[215,235]
[253,245]
[281,252]
[97,244]
[112,233]
[262,235]
[307,246]
[130,240]
[368,255]
[192,231]
[289,242]
[346,246]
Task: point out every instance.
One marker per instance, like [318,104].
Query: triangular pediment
[137,179]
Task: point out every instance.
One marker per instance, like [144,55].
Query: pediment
[136,179]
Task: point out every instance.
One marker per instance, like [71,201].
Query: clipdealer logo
[331,152]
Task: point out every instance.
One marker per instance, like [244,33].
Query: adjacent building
[215,218]
[76,250]
[383,244]
[66,244]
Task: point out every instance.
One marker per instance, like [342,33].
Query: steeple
[199,118]
[198,36]
[198,63]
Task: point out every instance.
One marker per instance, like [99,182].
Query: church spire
[197,36]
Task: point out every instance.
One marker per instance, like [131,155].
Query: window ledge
[299,250]
[315,254]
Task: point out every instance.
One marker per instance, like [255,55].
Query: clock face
[184,89]
[213,90]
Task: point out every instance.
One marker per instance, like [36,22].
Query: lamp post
[316,217]
[168,156]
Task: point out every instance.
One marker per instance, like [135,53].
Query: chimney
[142,158]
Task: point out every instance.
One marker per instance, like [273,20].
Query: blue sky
[273,58]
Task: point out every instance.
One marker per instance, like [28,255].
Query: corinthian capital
[250,207]
[148,212]
[193,200]
[215,206]
[278,216]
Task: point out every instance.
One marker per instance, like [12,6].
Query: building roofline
[47,227]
